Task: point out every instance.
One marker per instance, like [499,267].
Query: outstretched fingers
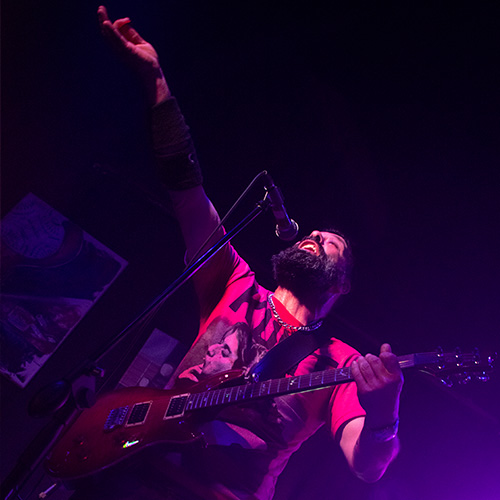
[119,33]
[130,34]
[112,30]
[136,52]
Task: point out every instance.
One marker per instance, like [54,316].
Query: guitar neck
[285,385]
[137,417]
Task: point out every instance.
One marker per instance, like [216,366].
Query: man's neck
[305,313]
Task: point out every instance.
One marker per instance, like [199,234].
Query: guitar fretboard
[275,387]
[308,382]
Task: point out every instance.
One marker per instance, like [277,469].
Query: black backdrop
[383,120]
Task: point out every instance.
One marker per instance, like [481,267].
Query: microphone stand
[63,399]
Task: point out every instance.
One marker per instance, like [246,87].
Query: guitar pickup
[139,413]
[176,406]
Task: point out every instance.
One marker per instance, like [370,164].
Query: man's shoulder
[340,352]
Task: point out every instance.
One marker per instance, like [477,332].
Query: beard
[308,276]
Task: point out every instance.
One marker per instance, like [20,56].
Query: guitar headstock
[456,367]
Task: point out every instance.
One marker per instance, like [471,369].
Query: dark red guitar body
[89,446]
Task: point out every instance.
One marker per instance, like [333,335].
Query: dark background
[380,119]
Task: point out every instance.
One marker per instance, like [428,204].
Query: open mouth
[309,246]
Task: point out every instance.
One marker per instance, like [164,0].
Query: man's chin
[307,287]
[307,276]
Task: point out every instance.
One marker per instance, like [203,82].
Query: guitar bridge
[176,406]
[115,418]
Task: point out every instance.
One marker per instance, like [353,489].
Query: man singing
[249,444]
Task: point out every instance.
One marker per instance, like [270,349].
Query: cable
[229,212]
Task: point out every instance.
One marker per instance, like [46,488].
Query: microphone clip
[286,228]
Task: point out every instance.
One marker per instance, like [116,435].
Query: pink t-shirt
[249,444]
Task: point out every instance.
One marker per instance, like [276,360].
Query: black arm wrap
[174,151]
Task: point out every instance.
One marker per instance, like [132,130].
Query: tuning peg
[492,359]
[447,381]
[464,379]
[441,360]
[484,377]
[459,357]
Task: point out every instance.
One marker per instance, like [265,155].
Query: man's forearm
[156,87]
[371,443]
[373,453]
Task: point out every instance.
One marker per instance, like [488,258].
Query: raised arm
[174,151]
[137,53]
[370,444]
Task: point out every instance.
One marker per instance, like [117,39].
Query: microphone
[286,228]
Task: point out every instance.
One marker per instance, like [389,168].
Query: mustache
[322,253]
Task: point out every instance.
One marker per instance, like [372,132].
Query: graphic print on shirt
[226,347]
[238,339]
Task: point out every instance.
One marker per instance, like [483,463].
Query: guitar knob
[79,440]
[83,458]
[82,455]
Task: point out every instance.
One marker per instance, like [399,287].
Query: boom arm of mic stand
[260,207]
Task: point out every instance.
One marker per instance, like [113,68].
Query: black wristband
[175,155]
[385,433]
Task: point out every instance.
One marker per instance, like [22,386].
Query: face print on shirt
[226,347]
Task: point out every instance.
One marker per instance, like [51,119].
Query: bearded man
[249,444]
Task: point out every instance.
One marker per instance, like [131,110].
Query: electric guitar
[126,421]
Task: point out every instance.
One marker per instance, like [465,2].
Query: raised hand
[139,54]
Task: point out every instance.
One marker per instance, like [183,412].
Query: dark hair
[249,352]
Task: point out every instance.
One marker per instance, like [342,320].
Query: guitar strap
[288,353]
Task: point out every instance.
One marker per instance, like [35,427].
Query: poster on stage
[52,273]
[155,362]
